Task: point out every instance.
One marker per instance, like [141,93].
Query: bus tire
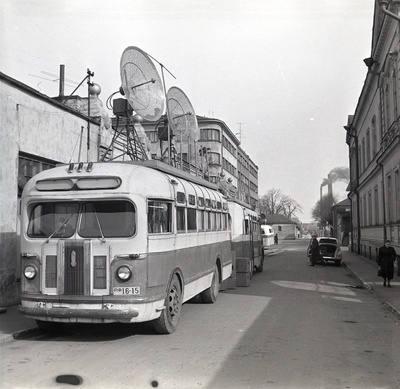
[260,267]
[210,295]
[168,321]
[49,326]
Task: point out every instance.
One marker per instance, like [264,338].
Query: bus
[246,234]
[267,235]
[123,242]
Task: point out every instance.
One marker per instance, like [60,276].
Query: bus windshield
[99,219]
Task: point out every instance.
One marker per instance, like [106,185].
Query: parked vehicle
[329,249]
[267,235]
[101,244]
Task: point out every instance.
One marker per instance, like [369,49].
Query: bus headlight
[30,272]
[124,273]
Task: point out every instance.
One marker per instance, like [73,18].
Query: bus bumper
[74,315]
[86,312]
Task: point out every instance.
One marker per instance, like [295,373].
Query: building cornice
[374,71]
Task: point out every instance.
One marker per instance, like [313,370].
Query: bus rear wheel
[210,295]
[260,267]
[168,321]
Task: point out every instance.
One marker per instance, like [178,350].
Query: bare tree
[290,206]
[274,202]
[269,203]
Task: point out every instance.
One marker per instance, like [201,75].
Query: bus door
[256,246]
[250,245]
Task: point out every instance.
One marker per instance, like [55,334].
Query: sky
[283,75]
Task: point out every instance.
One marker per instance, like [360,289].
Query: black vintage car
[329,249]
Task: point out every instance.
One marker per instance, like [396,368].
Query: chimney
[62,79]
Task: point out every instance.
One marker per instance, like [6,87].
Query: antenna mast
[240,131]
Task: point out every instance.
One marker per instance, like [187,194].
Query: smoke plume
[337,174]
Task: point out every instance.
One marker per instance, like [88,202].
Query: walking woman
[386,258]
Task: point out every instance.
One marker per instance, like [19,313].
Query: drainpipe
[384,4]
[383,203]
[348,130]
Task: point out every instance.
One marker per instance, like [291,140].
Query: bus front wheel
[210,295]
[168,321]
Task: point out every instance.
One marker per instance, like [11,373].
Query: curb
[391,308]
[365,284]
[16,335]
[370,288]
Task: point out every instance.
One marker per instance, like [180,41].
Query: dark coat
[315,247]
[386,258]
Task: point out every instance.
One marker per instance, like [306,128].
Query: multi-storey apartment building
[216,152]
[373,137]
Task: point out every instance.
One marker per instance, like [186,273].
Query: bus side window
[180,219]
[158,217]
[246,227]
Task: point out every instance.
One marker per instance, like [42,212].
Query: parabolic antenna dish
[141,83]
[181,115]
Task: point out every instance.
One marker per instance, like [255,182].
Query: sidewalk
[365,270]
[13,324]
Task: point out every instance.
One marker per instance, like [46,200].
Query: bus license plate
[127,290]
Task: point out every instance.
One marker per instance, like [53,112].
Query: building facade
[285,228]
[373,137]
[341,222]
[37,132]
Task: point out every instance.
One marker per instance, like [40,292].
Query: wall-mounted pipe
[383,4]
[349,129]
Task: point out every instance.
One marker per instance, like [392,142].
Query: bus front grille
[74,268]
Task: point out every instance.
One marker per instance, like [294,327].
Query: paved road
[295,327]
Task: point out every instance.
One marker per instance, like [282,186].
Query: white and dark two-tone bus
[123,242]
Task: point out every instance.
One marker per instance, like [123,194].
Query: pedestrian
[276,239]
[386,258]
[315,255]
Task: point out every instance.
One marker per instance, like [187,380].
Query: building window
[376,200]
[214,158]
[397,192]
[382,112]
[374,140]
[363,154]
[387,106]
[368,147]
[394,93]
[364,212]
[209,134]
[369,209]
[390,198]
[30,165]
[153,136]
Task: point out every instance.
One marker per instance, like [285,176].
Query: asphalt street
[295,326]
